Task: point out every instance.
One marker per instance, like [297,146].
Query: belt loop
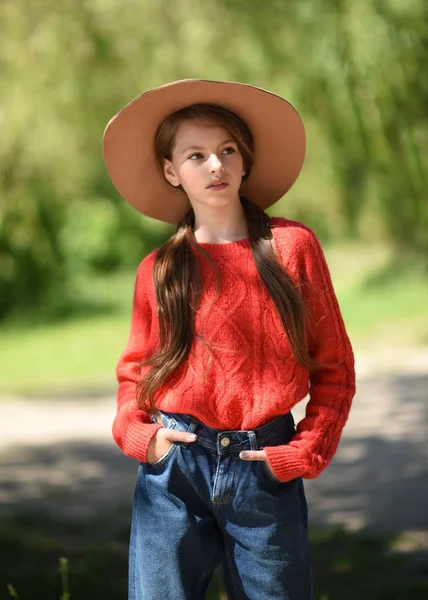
[253,440]
[191,429]
[158,418]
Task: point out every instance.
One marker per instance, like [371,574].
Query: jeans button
[225,441]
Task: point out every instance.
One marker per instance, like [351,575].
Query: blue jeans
[200,504]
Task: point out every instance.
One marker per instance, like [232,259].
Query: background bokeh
[70,247]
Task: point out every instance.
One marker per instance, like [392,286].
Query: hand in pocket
[162,441]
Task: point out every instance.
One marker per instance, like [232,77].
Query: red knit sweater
[254,377]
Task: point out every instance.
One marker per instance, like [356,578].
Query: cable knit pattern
[253,376]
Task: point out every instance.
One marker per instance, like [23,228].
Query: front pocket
[169,424]
[165,457]
[267,472]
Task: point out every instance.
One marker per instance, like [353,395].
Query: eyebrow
[201,147]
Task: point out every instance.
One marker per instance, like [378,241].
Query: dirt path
[58,454]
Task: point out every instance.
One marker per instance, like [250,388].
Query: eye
[230,149]
[195,154]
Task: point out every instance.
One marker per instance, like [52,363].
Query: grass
[381,305]
[346,565]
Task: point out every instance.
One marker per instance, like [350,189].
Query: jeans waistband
[274,433]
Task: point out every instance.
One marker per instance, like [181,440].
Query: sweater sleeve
[132,428]
[331,389]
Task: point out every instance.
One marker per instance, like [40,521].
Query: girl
[234,321]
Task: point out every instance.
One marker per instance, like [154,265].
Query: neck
[222,226]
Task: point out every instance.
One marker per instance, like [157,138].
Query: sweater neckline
[226,248]
[230,248]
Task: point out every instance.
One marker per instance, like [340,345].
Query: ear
[169,173]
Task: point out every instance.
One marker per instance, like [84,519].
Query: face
[203,153]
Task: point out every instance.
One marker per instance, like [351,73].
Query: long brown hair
[177,277]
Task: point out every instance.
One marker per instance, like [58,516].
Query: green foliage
[353,70]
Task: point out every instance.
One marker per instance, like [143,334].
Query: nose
[215,163]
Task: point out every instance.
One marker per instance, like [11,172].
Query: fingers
[253,455]
[178,436]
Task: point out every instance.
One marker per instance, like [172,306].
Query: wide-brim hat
[128,144]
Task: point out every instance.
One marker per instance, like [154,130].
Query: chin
[227,193]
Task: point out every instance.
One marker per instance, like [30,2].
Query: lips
[217,183]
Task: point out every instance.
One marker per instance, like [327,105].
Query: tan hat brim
[128,144]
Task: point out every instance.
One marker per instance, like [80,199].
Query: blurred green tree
[355,71]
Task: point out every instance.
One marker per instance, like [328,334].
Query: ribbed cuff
[138,438]
[287,462]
